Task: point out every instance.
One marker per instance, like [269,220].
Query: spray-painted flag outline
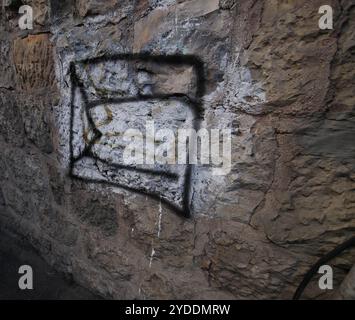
[177,192]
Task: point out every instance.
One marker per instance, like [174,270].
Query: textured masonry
[284,87]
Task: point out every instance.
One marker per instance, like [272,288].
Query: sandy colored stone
[33,59]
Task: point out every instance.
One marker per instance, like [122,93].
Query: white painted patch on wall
[151,258]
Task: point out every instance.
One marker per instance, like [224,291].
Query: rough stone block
[11,127]
[33,59]
[94,7]
[6,69]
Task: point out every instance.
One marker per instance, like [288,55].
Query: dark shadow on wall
[48,284]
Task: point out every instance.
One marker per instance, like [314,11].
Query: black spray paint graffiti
[194,103]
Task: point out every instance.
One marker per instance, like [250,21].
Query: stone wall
[283,86]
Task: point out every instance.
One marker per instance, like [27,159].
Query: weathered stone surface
[41,10]
[94,7]
[6,70]
[11,127]
[163,19]
[347,288]
[283,86]
[2,200]
[25,188]
[33,61]
[36,121]
[99,211]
